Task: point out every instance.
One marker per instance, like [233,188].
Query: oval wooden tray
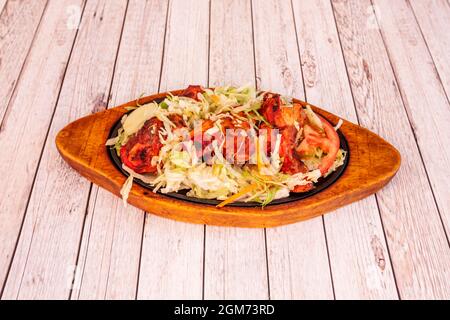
[372,164]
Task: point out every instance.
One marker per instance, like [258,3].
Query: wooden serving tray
[373,162]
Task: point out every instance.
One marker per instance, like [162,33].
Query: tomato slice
[328,141]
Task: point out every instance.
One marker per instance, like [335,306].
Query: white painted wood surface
[25,127]
[111,247]
[63,238]
[108,265]
[433,17]
[18,23]
[416,238]
[423,95]
[2,5]
[47,250]
[350,231]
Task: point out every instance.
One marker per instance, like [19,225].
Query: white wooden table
[383,64]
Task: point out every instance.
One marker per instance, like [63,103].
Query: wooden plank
[235,259]
[423,95]
[171,261]
[360,261]
[298,262]
[2,5]
[109,261]
[47,251]
[231,44]
[351,235]
[415,235]
[112,237]
[19,21]
[433,17]
[186,44]
[24,129]
[172,252]
[297,254]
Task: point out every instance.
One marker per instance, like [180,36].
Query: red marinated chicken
[138,152]
[280,115]
[296,145]
[192,92]
[234,132]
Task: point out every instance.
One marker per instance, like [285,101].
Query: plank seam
[91,184]
[253,45]
[387,248]
[86,212]
[410,122]
[4,7]
[204,266]
[359,122]
[428,49]
[110,255]
[304,93]
[37,167]
[19,76]
[140,256]
[164,46]
[209,39]
[208,79]
[298,47]
[267,263]
[87,248]
[257,86]
[445,93]
[328,256]
[42,152]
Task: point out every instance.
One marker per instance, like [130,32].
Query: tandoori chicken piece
[300,136]
[233,135]
[138,152]
[280,115]
[192,92]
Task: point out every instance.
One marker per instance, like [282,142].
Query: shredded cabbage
[126,188]
[178,164]
[313,118]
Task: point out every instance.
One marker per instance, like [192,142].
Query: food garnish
[229,144]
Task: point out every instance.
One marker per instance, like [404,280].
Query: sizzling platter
[370,163]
